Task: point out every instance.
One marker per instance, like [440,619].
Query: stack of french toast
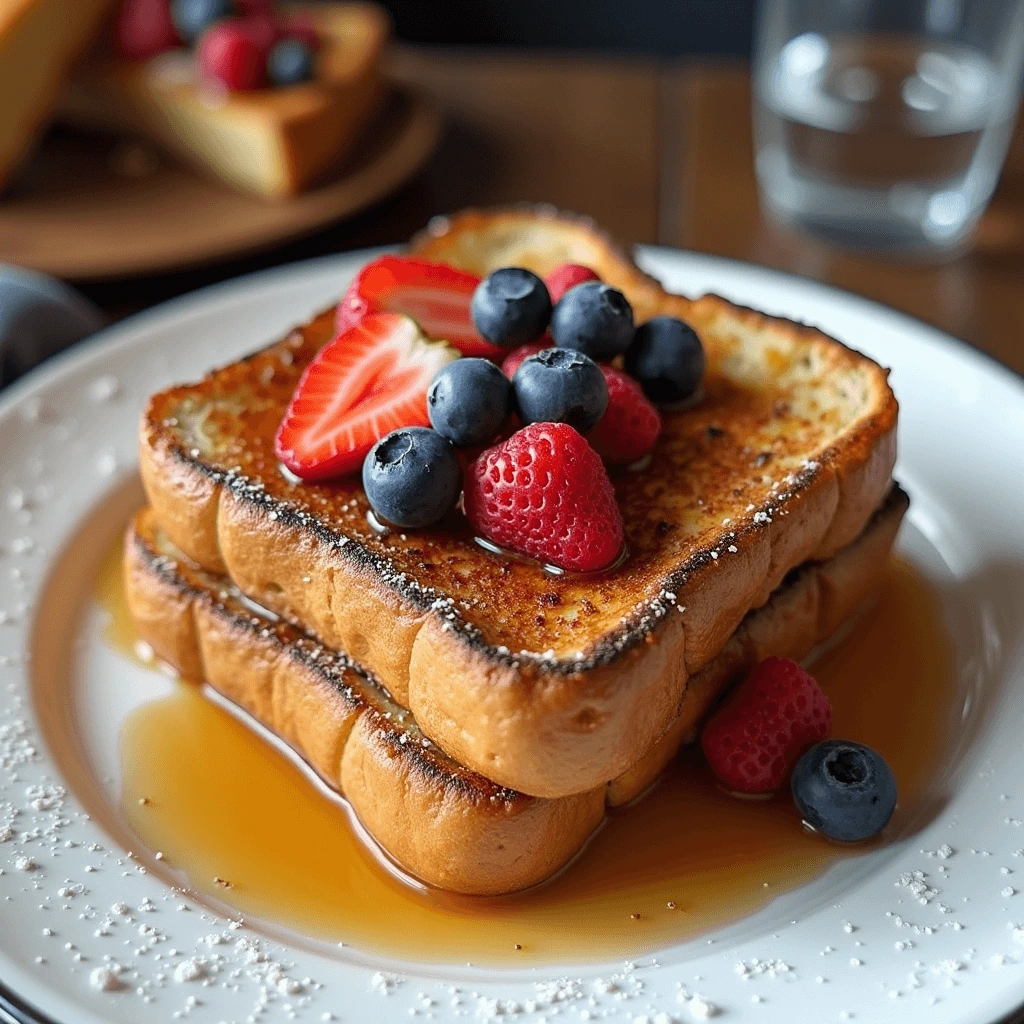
[479,713]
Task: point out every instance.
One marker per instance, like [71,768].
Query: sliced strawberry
[435,295]
[370,380]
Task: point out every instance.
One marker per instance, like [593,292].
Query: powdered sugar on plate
[935,930]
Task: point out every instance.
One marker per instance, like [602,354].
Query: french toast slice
[547,685]
[271,142]
[439,821]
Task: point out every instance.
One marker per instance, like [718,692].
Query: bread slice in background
[550,686]
[438,820]
[40,42]
[272,142]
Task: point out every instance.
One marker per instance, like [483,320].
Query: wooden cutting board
[92,206]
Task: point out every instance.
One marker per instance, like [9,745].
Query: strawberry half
[370,380]
[435,295]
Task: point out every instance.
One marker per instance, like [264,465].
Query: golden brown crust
[547,686]
[473,842]
[809,608]
[437,819]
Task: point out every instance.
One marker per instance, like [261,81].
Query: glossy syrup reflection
[247,825]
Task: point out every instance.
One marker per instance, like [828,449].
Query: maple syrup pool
[244,827]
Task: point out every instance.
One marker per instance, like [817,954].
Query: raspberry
[264,29]
[303,28]
[545,493]
[144,29]
[567,276]
[518,356]
[235,55]
[630,425]
[760,732]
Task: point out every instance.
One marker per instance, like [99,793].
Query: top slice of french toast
[549,684]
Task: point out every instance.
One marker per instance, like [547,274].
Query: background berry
[290,62]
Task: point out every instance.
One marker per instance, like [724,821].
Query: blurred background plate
[90,225]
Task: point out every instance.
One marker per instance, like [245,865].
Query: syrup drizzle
[221,803]
[383,530]
[551,570]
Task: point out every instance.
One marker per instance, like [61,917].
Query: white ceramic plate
[864,942]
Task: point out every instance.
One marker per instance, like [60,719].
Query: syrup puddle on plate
[248,826]
[241,824]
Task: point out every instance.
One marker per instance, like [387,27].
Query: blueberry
[667,358]
[193,17]
[38,316]
[412,477]
[468,401]
[558,385]
[290,62]
[511,306]
[844,789]
[595,319]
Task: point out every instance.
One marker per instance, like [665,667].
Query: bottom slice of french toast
[438,820]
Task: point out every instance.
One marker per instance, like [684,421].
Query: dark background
[668,28]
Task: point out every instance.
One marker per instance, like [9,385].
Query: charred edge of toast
[357,687]
[644,619]
[395,725]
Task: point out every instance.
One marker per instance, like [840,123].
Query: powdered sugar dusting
[964,942]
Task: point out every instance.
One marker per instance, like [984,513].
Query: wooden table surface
[657,154]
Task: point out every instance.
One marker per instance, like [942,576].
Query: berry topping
[371,379]
[755,738]
[518,356]
[193,17]
[558,385]
[435,295]
[412,477]
[469,402]
[630,425]
[231,53]
[290,62]
[144,28]
[567,276]
[593,318]
[667,358]
[545,493]
[511,306]
[264,28]
[302,28]
[844,790]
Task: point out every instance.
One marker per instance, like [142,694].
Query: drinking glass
[884,123]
